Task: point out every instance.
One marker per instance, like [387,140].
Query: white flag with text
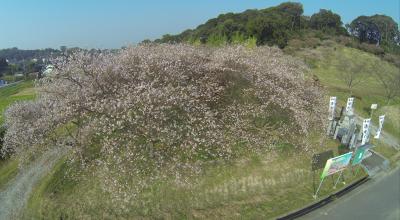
[378,132]
[332,106]
[365,130]
[349,106]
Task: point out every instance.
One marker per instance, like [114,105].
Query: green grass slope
[8,95]
[17,92]
[256,186]
[328,63]
[8,169]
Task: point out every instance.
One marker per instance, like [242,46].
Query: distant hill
[15,55]
[377,34]
[272,26]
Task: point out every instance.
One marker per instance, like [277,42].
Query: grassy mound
[155,126]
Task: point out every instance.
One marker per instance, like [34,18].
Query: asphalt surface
[377,199]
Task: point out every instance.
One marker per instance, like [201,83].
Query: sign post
[334,165]
[359,155]
[373,107]
[341,172]
[318,162]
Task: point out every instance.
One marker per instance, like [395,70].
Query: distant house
[3,82]
[48,70]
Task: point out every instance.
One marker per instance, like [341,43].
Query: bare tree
[390,83]
[351,73]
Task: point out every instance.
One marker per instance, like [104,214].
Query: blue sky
[31,24]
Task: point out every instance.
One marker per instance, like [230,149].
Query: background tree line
[280,24]
[18,61]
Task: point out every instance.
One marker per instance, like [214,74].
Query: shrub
[296,44]
[371,48]
[346,41]
[392,58]
[238,38]
[217,40]
[312,42]
[329,43]
[251,42]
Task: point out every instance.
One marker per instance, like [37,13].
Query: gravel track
[15,194]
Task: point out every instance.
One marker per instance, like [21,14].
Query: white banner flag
[378,132]
[332,107]
[365,130]
[349,106]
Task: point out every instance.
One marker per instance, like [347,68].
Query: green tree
[294,11]
[326,20]
[63,49]
[387,26]
[3,66]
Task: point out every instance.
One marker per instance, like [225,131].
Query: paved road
[377,199]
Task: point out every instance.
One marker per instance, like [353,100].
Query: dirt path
[15,195]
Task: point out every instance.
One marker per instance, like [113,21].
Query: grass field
[257,186]
[389,152]
[18,92]
[8,169]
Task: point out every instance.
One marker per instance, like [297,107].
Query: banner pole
[338,179]
[344,180]
[357,169]
[316,193]
[313,173]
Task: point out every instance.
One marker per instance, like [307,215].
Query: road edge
[324,201]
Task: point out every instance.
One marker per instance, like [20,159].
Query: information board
[336,164]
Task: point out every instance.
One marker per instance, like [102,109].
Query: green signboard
[358,156]
[336,164]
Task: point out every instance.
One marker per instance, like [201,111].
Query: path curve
[16,193]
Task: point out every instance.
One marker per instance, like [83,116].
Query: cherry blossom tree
[151,108]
